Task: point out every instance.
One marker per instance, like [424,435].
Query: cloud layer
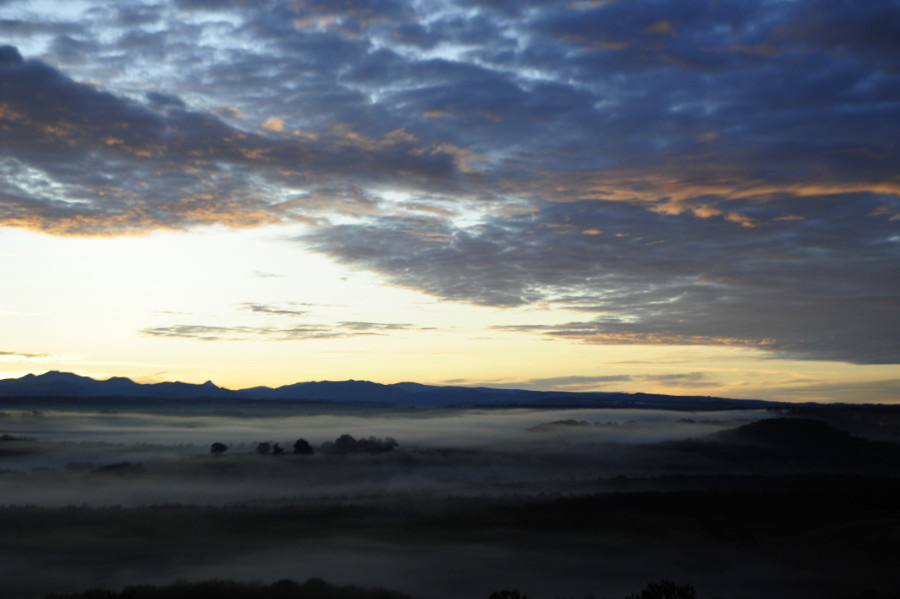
[680,173]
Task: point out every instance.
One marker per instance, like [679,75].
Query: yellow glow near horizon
[84,305]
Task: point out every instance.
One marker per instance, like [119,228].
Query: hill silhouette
[795,433]
[55,384]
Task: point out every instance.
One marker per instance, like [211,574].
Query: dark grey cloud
[158,100]
[211,5]
[132,15]
[817,285]
[24,28]
[80,160]
[75,48]
[846,29]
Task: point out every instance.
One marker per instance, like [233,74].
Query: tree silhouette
[218,448]
[277,449]
[264,448]
[303,447]
[348,444]
[345,444]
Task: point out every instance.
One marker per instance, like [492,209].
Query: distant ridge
[55,384]
[66,384]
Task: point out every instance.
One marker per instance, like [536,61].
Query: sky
[693,198]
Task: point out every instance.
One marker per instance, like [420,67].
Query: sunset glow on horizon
[659,197]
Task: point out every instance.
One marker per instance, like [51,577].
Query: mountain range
[55,384]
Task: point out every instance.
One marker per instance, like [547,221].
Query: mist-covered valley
[556,502]
[56,457]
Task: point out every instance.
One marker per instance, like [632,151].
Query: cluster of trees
[347,444]
[5,437]
[343,445]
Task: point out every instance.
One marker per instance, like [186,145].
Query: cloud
[378,326]
[80,160]
[817,287]
[690,379]
[274,310]
[700,173]
[273,333]
[274,124]
[23,355]
[571,383]
[243,333]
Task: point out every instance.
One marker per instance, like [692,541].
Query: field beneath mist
[558,503]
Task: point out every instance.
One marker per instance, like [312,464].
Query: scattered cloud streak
[273,310]
[612,381]
[22,355]
[274,333]
[243,333]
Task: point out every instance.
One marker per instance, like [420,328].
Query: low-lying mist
[130,456]
[463,428]
[560,503]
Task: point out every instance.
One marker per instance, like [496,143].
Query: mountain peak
[62,376]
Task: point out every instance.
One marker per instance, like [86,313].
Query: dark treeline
[343,445]
[316,588]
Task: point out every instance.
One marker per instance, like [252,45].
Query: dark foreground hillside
[562,505]
[318,589]
[314,588]
[750,537]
